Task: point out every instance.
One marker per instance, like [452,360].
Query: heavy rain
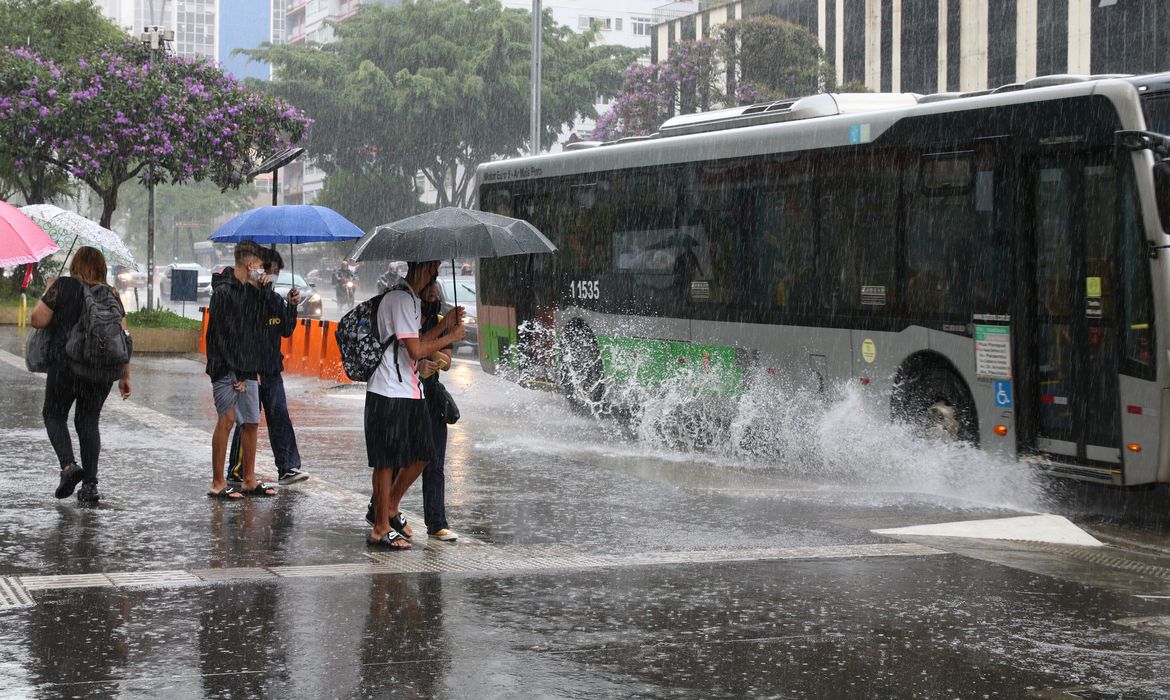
[513,348]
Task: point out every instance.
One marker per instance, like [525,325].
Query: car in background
[202,285]
[310,306]
[461,291]
[313,277]
[123,277]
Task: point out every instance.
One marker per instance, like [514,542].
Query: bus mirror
[1162,192]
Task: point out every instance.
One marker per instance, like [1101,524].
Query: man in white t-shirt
[397,424]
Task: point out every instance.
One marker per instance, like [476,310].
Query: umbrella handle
[62,268]
[28,270]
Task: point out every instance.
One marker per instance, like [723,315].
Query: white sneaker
[292,477]
[444,535]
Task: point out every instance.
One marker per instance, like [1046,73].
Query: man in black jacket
[235,341]
[281,322]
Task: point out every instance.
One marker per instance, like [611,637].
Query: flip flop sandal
[398,522]
[387,542]
[261,490]
[224,494]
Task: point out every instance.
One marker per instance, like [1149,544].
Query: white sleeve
[403,319]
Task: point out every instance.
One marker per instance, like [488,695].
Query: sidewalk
[155,472]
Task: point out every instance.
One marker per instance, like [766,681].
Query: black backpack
[357,338]
[97,345]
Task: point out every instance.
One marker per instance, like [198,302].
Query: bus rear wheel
[937,402]
[581,365]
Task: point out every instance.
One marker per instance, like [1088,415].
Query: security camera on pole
[156,39]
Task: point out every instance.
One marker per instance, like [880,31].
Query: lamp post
[154,38]
[537,14]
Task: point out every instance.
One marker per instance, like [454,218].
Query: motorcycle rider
[345,282]
[386,279]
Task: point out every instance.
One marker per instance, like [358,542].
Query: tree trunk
[109,204]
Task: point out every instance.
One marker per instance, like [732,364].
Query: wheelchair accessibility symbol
[1003,394]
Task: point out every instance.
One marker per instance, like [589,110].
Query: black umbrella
[449,233]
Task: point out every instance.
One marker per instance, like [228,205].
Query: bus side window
[859,195]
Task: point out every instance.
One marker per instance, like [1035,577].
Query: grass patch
[158,318]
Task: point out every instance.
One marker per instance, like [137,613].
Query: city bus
[991,264]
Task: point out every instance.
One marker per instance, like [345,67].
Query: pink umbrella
[21,240]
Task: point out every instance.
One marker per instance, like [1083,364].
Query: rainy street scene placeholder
[513,349]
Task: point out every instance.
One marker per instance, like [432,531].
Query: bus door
[1071,374]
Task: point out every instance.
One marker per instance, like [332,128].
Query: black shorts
[398,432]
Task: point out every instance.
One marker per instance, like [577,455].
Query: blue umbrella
[288,223]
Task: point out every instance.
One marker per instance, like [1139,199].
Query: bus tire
[935,400]
[581,365]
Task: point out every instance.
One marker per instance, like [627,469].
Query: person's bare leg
[398,489]
[219,445]
[248,432]
[382,479]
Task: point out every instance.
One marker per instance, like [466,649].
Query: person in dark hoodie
[281,322]
[235,356]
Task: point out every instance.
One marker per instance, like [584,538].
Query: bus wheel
[581,365]
[939,404]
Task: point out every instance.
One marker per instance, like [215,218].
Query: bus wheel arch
[929,392]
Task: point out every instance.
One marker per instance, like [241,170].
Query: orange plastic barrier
[311,350]
[294,348]
[203,330]
[331,367]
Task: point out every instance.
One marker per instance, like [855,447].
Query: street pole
[537,14]
[155,39]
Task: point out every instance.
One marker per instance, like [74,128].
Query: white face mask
[255,274]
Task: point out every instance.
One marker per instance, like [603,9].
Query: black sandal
[261,490]
[387,542]
[398,522]
[225,494]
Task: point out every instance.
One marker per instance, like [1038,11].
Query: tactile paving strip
[13,595]
[448,559]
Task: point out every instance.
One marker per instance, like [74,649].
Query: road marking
[448,559]
[1051,529]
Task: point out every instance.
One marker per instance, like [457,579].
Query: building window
[642,26]
[605,24]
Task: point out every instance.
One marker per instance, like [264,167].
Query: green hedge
[158,318]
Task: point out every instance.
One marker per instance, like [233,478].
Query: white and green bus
[991,263]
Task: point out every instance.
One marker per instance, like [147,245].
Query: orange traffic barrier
[311,350]
[311,361]
[203,330]
[331,366]
[294,348]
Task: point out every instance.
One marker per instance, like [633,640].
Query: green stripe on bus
[495,342]
[653,362]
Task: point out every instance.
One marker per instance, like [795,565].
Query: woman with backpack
[78,376]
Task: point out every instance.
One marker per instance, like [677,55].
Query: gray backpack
[97,345]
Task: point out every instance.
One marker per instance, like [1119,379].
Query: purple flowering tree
[116,116]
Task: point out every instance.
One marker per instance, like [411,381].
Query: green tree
[183,213]
[61,31]
[368,199]
[770,59]
[118,116]
[437,87]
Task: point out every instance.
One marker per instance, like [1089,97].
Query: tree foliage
[61,31]
[749,60]
[437,87]
[116,116]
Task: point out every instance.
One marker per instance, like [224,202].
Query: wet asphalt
[592,564]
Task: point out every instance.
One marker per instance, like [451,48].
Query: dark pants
[434,505]
[280,429]
[62,390]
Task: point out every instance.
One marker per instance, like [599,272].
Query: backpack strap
[401,286]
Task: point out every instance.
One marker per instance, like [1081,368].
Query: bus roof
[819,121]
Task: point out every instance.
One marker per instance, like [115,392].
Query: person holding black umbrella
[399,443]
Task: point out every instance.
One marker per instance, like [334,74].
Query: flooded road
[593,561]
